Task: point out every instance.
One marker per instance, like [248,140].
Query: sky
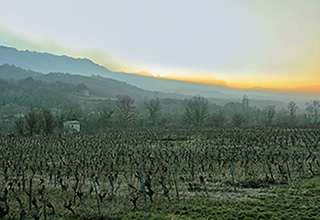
[243,43]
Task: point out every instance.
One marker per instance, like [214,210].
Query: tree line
[125,112]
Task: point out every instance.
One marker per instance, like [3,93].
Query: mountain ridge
[103,86]
[46,63]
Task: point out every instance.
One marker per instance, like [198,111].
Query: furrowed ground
[163,174]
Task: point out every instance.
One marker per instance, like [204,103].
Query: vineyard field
[240,173]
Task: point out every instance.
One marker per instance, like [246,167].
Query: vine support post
[143,189]
[97,195]
[175,183]
[232,175]
[204,180]
[30,193]
[169,169]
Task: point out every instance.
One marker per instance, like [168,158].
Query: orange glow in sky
[243,44]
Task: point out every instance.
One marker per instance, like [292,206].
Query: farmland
[162,174]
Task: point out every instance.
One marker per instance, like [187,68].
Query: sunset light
[272,44]
[159,109]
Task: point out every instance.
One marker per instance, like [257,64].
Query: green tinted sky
[271,43]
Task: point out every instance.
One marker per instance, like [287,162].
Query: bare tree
[269,113]
[48,122]
[105,117]
[218,119]
[153,107]
[292,108]
[196,111]
[71,110]
[238,120]
[19,125]
[125,111]
[31,121]
[245,104]
[313,108]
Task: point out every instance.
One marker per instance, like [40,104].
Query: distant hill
[11,72]
[48,63]
[97,84]
[104,86]
[29,91]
